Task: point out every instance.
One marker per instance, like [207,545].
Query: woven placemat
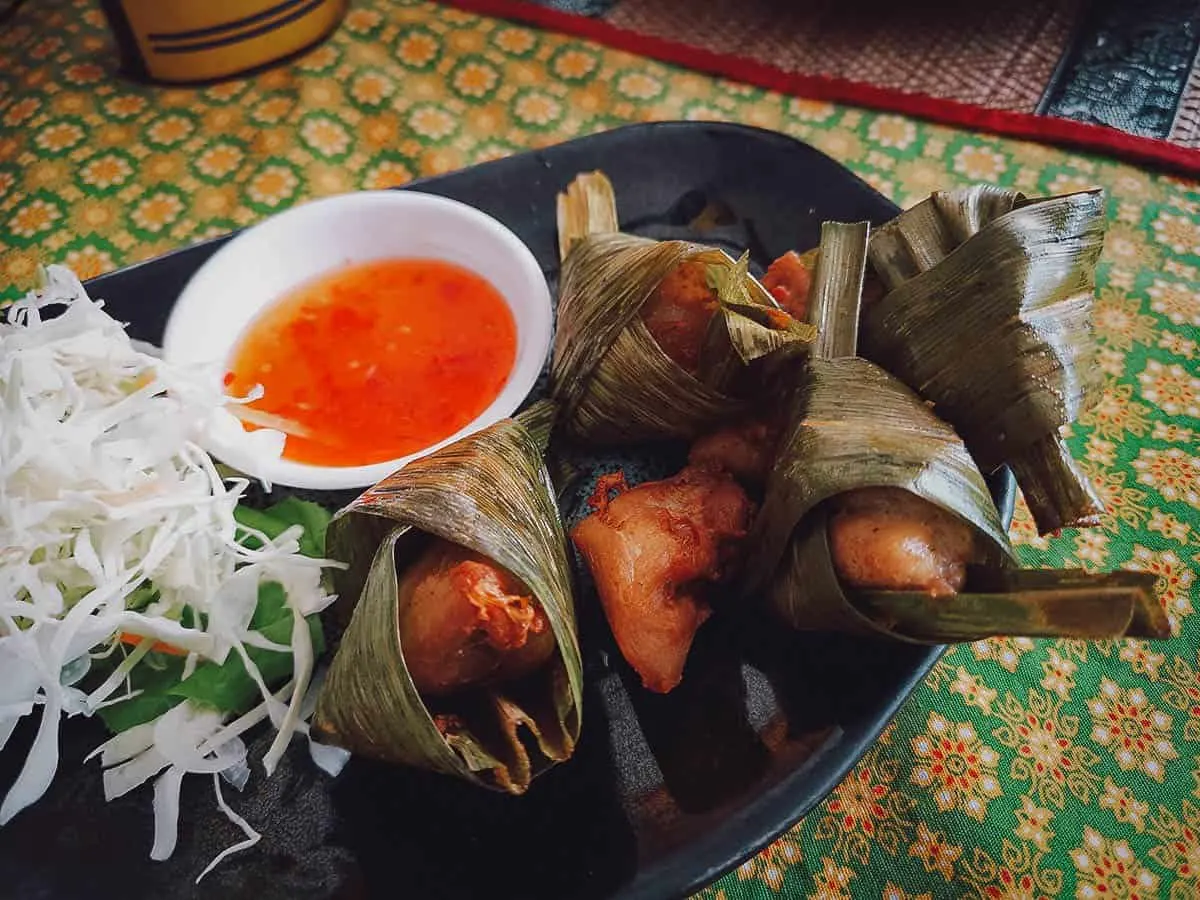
[997,55]
[1098,75]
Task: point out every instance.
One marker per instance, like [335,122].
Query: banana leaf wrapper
[614,383]
[856,426]
[489,492]
[1036,603]
[989,316]
[853,425]
[863,428]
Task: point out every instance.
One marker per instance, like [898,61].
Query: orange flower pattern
[1184,695]
[1059,673]
[1005,652]
[1047,754]
[1179,852]
[1137,734]
[1033,824]
[833,882]
[1175,579]
[1124,805]
[893,892]
[1117,413]
[1020,874]
[935,852]
[955,767]
[1109,868]
[1020,769]
[866,811]
[773,863]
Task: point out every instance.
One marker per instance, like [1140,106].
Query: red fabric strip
[1046,129]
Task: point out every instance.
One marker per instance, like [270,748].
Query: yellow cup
[185,41]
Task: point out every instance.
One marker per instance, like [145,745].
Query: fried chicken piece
[678,312]
[745,450]
[464,620]
[654,552]
[891,539]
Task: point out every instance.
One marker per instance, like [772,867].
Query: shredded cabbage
[105,490]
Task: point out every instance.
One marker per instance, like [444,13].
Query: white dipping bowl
[263,263]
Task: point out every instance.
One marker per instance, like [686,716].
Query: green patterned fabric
[1019,769]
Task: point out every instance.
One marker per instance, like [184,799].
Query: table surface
[1020,768]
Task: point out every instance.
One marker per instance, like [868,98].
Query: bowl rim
[534,332]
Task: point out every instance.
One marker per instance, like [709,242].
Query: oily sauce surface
[377,360]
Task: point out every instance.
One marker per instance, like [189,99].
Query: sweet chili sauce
[377,360]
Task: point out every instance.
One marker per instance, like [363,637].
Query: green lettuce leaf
[155,699]
[228,686]
[274,520]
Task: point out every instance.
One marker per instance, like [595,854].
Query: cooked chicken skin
[745,450]
[653,551]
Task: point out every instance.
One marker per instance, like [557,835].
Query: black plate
[664,793]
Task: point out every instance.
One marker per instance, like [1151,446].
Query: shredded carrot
[158,646]
[778,319]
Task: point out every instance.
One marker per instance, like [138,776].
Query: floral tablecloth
[1019,769]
